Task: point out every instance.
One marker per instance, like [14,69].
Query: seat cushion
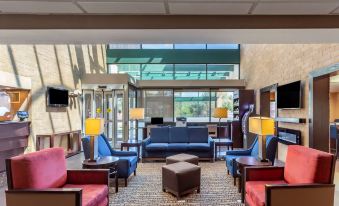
[306,165]
[39,170]
[177,147]
[131,159]
[198,134]
[199,147]
[255,190]
[159,135]
[157,147]
[92,195]
[178,135]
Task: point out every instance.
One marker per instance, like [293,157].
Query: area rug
[145,188]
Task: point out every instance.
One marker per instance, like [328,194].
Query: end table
[132,143]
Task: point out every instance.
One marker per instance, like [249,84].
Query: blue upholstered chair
[271,148]
[128,160]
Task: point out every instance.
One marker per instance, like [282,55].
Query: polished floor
[217,187]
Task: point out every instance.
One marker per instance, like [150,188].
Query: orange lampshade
[261,125]
[136,113]
[94,126]
[220,112]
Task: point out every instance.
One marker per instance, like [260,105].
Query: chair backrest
[305,165]
[178,135]
[37,170]
[198,134]
[333,131]
[271,147]
[103,146]
[254,147]
[159,135]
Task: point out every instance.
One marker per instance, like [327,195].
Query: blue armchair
[128,160]
[271,148]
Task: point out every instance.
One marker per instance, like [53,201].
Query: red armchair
[41,178]
[306,179]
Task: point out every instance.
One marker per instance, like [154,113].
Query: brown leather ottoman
[182,158]
[181,178]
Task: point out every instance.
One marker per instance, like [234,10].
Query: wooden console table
[73,141]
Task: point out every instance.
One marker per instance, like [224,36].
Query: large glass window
[157,71]
[158,103]
[173,46]
[131,69]
[194,105]
[222,99]
[190,72]
[222,71]
[222,46]
[124,46]
[190,46]
[157,46]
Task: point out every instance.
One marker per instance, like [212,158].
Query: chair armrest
[88,176]
[300,194]
[246,152]
[50,197]
[124,153]
[146,141]
[266,173]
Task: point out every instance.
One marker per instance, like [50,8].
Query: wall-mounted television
[157,120]
[57,97]
[289,96]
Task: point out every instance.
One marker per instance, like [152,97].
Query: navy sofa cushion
[178,135]
[160,135]
[157,147]
[198,134]
[199,146]
[177,147]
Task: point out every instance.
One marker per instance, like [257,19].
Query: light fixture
[220,112]
[93,128]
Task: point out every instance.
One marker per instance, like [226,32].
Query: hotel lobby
[169,102]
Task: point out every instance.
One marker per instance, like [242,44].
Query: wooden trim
[93,21]
[333,168]
[9,173]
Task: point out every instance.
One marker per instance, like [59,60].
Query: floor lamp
[220,112]
[93,128]
[136,114]
[262,126]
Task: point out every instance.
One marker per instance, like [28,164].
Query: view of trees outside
[222,99]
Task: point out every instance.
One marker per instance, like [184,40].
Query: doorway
[107,104]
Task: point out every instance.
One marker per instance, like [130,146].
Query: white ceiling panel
[124,7]
[209,8]
[38,7]
[295,7]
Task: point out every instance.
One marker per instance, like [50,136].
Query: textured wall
[53,65]
[266,64]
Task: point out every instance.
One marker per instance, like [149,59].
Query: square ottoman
[182,158]
[181,178]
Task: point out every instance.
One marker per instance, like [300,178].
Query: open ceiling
[170,7]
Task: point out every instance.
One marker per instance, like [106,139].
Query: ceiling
[171,7]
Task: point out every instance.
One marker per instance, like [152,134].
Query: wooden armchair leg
[125,182]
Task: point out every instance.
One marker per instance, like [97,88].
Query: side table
[107,162]
[219,142]
[132,143]
[247,162]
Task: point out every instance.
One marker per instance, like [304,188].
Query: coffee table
[247,162]
[108,162]
[132,143]
[221,142]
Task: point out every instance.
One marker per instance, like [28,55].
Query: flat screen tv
[157,120]
[289,96]
[57,97]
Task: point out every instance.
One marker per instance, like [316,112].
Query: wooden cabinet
[242,99]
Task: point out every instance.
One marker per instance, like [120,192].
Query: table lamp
[136,114]
[93,128]
[262,126]
[220,112]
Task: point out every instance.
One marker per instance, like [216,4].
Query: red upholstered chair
[306,179]
[41,178]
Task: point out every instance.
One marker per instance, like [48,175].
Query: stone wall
[266,64]
[53,65]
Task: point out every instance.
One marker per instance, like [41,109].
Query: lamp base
[93,160]
[264,160]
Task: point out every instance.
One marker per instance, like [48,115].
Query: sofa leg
[125,182]
[135,172]
[234,181]
[228,172]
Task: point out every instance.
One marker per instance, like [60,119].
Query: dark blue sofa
[271,148]
[167,141]
[128,161]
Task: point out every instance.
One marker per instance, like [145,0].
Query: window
[194,105]
[222,46]
[157,46]
[190,46]
[190,72]
[157,71]
[124,46]
[222,71]
[158,103]
[131,69]
[222,99]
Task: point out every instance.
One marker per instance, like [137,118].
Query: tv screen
[157,120]
[57,97]
[289,96]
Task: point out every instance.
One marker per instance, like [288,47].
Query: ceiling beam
[28,21]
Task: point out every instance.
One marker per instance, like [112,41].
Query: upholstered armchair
[271,148]
[306,179]
[41,178]
[128,160]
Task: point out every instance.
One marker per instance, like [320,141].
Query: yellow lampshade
[261,125]
[136,113]
[220,112]
[94,126]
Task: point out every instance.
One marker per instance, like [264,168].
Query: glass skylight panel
[222,46]
[157,46]
[189,46]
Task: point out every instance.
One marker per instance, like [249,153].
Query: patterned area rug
[3,180]
[145,188]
